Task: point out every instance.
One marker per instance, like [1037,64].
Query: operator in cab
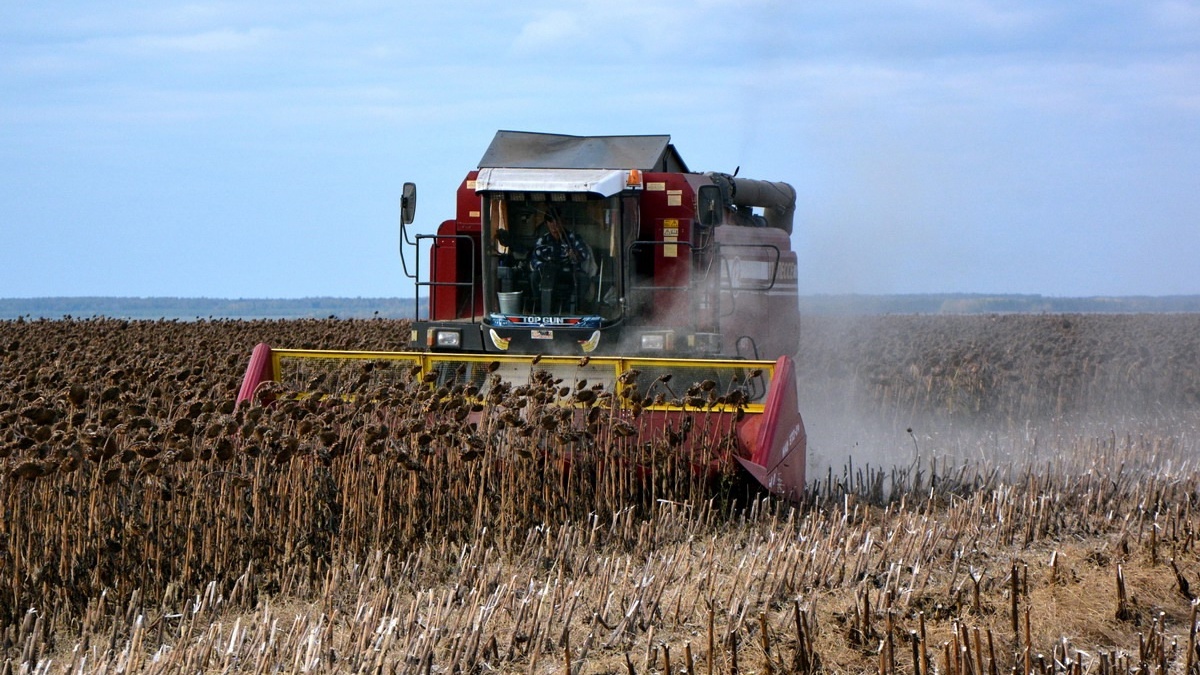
[562,267]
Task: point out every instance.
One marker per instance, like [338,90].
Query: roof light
[634,179]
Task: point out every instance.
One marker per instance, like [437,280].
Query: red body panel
[260,370]
[468,205]
[668,208]
[454,260]
[779,452]
[443,261]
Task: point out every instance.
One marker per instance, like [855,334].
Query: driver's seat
[556,282]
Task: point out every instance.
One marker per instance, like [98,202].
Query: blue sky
[226,149]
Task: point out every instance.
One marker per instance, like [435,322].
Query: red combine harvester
[605,258]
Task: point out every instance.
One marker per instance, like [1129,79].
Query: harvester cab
[607,245]
[605,259]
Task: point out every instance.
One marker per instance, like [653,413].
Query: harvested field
[990,493]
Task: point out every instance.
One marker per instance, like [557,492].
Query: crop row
[149,525]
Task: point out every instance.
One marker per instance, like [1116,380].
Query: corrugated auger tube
[775,198]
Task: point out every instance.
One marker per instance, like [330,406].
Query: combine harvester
[606,259]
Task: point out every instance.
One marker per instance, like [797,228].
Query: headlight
[653,342]
[705,343]
[447,339]
[657,342]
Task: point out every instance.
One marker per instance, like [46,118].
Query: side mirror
[408,203]
[708,205]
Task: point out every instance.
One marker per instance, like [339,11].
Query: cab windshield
[554,254]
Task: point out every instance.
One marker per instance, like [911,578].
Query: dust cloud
[902,391]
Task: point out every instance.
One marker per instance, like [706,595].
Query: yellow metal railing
[668,383]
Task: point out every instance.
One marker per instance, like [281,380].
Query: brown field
[989,494]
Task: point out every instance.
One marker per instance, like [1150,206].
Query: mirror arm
[408,210]
[403,242]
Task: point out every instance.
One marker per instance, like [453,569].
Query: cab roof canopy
[530,150]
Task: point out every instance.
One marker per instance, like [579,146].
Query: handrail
[417,283]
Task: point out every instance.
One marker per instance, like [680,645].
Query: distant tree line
[190,309]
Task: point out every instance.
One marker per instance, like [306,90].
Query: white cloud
[625,30]
[548,32]
[223,40]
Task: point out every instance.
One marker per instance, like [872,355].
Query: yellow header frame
[603,369]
